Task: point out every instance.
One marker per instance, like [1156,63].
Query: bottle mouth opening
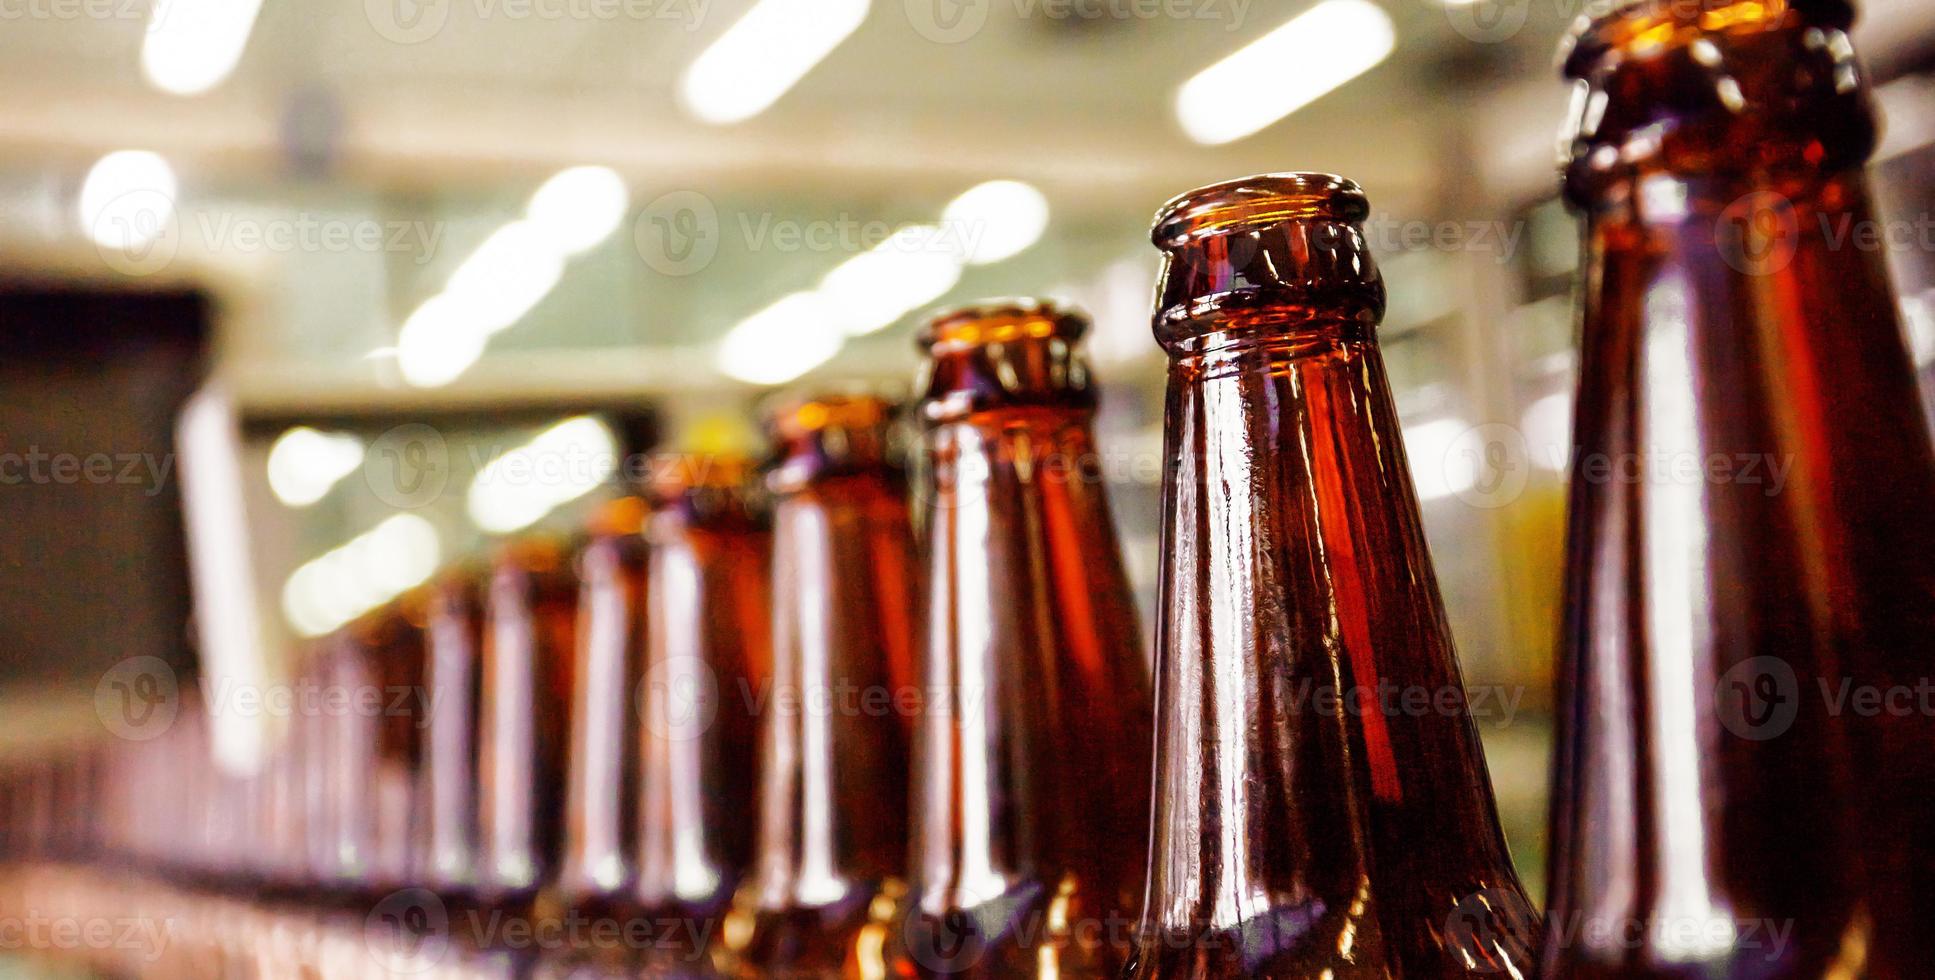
[802,416]
[1641,28]
[1258,201]
[1000,322]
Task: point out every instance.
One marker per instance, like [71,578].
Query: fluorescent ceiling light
[192,45]
[870,291]
[304,463]
[764,54]
[558,465]
[127,199]
[509,274]
[997,219]
[782,341]
[1284,70]
[579,208]
[515,268]
[365,572]
[437,344]
[1437,467]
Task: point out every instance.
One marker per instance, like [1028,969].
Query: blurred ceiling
[486,90]
[450,112]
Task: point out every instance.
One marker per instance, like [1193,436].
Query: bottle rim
[1257,201]
[800,414]
[997,321]
[1647,28]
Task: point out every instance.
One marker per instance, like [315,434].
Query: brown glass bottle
[838,719]
[601,789]
[1748,543]
[524,710]
[447,835]
[1322,802]
[371,726]
[708,657]
[1032,759]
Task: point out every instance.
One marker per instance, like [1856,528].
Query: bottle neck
[1747,430]
[1032,762]
[452,636]
[1312,727]
[1754,90]
[524,697]
[707,658]
[833,785]
[600,792]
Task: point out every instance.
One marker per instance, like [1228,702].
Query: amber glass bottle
[524,705]
[601,789]
[708,657]
[839,717]
[447,845]
[1748,556]
[1322,803]
[1031,767]
[370,723]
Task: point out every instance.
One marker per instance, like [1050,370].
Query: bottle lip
[823,433]
[802,414]
[1257,201]
[999,321]
[1646,28]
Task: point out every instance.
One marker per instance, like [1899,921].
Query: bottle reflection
[1311,817]
[1738,555]
[833,791]
[707,659]
[1031,767]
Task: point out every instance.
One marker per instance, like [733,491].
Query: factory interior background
[303,272]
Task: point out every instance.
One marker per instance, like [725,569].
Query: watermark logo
[947,21]
[408,466]
[678,699]
[1493,930]
[136,233]
[677,234]
[1488,21]
[407,21]
[138,698]
[408,931]
[1758,698]
[1757,233]
[1488,465]
[952,942]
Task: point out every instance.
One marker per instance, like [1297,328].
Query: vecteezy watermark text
[228,232]
[40,467]
[38,932]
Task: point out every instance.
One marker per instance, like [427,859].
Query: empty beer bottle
[838,719]
[1322,803]
[707,659]
[1032,760]
[601,790]
[524,703]
[1748,554]
[369,725]
[447,848]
